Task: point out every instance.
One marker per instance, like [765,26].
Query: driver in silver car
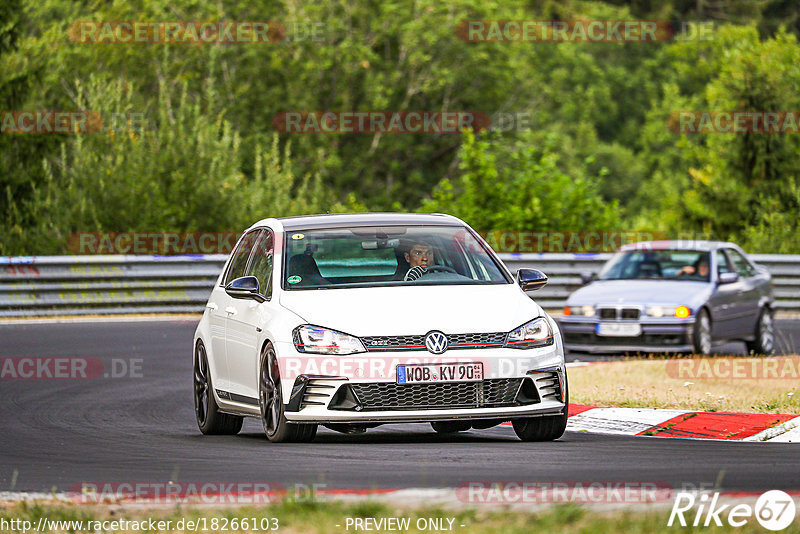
[701,270]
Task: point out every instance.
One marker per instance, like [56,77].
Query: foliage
[596,154]
[521,186]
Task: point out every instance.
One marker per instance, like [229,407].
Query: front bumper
[517,384]
[674,336]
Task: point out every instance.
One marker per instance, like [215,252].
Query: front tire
[701,336]
[546,428]
[764,343]
[270,400]
[209,419]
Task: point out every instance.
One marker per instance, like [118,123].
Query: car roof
[338,220]
[678,244]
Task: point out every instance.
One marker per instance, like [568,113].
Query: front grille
[630,313]
[455,341]
[608,313]
[619,313]
[394,342]
[390,396]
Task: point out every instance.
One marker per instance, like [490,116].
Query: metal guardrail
[85,285]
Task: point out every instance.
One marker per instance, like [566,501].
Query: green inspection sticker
[294,279]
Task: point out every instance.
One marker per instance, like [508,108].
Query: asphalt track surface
[56,434]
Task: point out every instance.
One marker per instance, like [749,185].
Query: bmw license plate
[428,373]
[619,329]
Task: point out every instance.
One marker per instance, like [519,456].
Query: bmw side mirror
[245,287]
[728,278]
[587,278]
[531,279]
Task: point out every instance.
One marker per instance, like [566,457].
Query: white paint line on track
[779,433]
[792,436]
[625,421]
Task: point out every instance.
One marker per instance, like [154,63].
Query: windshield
[386,256]
[657,264]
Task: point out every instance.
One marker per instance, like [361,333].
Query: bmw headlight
[681,312]
[318,340]
[537,333]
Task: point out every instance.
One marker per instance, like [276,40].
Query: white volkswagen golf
[353,321]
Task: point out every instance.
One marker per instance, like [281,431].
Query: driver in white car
[419,256]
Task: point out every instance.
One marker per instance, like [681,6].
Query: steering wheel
[444,268]
[419,271]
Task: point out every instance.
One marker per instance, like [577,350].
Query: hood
[663,292]
[380,311]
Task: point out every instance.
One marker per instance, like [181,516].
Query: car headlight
[659,311]
[537,333]
[586,311]
[681,312]
[318,340]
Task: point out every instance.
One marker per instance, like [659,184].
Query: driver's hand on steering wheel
[415,272]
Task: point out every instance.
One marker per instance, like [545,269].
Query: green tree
[521,187]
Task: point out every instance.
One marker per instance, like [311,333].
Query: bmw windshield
[385,256]
[690,265]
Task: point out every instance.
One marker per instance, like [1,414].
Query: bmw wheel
[270,400]
[209,419]
[764,343]
[701,337]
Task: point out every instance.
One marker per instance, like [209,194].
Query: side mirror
[588,278]
[531,279]
[728,278]
[245,287]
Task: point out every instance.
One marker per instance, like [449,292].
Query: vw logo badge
[436,342]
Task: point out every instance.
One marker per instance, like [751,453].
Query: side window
[742,266]
[240,256]
[261,263]
[723,265]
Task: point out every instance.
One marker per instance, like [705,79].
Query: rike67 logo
[774,510]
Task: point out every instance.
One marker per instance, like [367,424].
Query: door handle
[230,310]
[211,306]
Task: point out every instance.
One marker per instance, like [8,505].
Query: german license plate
[429,373]
[619,329]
